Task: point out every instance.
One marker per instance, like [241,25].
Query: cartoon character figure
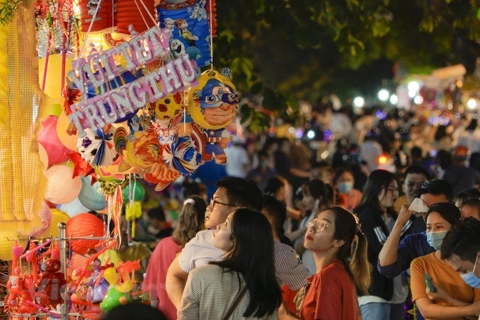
[50,283]
[184,33]
[198,12]
[177,48]
[218,103]
[168,26]
[212,106]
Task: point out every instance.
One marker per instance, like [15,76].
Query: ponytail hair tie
[189,201]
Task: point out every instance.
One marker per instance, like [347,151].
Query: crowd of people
[282,233]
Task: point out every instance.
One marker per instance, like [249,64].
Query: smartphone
[429,283]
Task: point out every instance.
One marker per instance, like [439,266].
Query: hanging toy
[50,283]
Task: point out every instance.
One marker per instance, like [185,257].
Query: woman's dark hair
[441,132]
[273,185]
[252,257]
[448,212]
[353,254]
[277,210]
[319,191]
[377,181]
[190,221]
[444,159]
[472,125]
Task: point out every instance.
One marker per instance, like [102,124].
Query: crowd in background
[398,183]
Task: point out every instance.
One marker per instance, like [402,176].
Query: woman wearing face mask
[344,182]
[376,217]
[244,283]
[437,289]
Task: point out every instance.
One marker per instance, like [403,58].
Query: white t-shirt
[288,268]
[237,158]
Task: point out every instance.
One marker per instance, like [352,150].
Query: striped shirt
[289,269]
[210,293]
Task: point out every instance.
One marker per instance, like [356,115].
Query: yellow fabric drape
[22,183]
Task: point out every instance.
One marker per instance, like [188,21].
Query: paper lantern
[128,13]
[84,225]
[103,19]
[48,138]
[189,27]
[73,208]
[138,191]
[69,141]
[91,196]
[61,187]
[52,230]
[7,240]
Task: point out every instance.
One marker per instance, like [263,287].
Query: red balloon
[84,225]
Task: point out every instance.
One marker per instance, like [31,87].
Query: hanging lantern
[7,240]
[61,187]
[91,196]
[132,12]
[104,18]
[84,225]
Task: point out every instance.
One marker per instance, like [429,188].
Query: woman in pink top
[190,221]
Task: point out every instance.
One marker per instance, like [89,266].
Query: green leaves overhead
[291,48]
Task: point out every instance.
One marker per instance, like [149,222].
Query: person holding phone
[437,289]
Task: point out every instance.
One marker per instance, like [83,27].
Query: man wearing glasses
[395,256]
[232,193]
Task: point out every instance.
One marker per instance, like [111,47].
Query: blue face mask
[470,278]
[345,187]
[435,239]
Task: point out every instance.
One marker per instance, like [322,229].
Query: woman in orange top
[452,298]
[332,293]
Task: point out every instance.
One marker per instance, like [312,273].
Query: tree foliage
[296,49]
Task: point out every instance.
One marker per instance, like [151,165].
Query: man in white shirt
[237,159]
[232,193]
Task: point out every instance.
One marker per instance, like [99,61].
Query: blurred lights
[382,159]
[383,95]
[413,88]
[418,100]
[358,102]
[310,134]
[471,103]
[393,99]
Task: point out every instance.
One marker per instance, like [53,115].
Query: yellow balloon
[7,241]
[57,217]
[53,78]
[69,141]
[213,104]
[110,274]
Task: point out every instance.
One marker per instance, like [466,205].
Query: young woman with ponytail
[340,252]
